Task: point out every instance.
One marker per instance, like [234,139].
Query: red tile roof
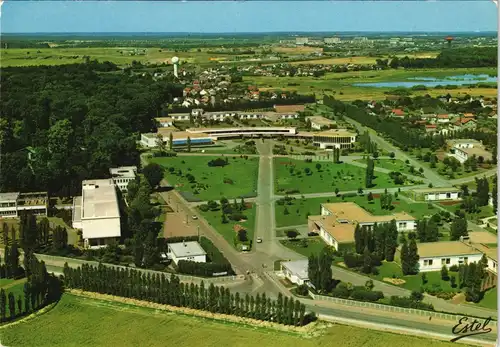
[398,112]
[443,116]
[468,115]
[431,126]
[289,108]
[464,121]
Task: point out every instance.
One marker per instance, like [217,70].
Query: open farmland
[93,323]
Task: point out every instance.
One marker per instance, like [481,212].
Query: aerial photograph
[248,173]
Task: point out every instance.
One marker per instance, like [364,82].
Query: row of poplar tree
[40,289]
[168,290]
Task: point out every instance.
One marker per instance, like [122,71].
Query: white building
[301,40]
[296,271]
[334,138]
[433,255]
[165,122]
[191,251]
[320,122]
[331,40]
[99,217]
[436,194]
[123,175]
[181,117]
[219,116]
[337,222]
[11,204]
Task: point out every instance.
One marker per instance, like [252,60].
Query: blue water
[432,81]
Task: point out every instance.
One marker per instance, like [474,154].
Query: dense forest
[62,124]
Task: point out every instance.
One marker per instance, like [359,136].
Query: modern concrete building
[99,217]
[165,122]
[13,204]
[296,271]
[180,138]
[331,40]
[236,132]
[334,138]
[123,175]
[337,222]
[191,251]
[181,117]
[433,255]
[320,122]
[301,41]
[435,194]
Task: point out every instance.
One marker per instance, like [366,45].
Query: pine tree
[189,144]
[405,260]
[432,232]
[494,194]
[3,305]
[170,141]
[12,305]
[359,239]
[5,234]
[391,242]
[458,228]
[367,261]
[444,273]
[313,271]
[380,235]
[421,230]
[413,256]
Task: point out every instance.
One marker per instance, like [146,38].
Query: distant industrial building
[301,40]
[96,213]
[14,204]
[123,175]
[331,40]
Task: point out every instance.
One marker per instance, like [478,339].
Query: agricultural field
[238,178]
[303,177]
[229,230]
[300,208]
[341,84]
[92,323]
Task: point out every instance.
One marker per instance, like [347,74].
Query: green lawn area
[301,207]
[314,245]
[412,282]
[393,165]
[237,179]
[93,323]
[214,218]
[490,299]
[484,211]
[343,176]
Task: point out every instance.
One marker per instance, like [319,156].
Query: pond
[432,81]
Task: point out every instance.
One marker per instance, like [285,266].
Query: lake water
[432,81]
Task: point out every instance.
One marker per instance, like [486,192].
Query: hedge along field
[236,179]
[345,177]
[93,323]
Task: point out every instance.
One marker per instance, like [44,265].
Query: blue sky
[252,16]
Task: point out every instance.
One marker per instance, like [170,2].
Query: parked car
[259,240]
[195,217]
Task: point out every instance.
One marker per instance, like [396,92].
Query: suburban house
[466,123]
[433,255]
[320,122]
[337,222]
[165,122]
[334,138]
[123,175]
[443,118]
[430,128]
[296,271]
[397,112]
[13,204]
[191,251]
[435,194]
[96,213]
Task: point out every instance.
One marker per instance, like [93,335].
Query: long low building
[97,213]
[189,251]
[235,132]
[296,271]
[179,138]
[338,221]
[433,255]
[435,194]
[13,204]
[334,138]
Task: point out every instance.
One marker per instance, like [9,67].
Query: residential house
[165,122]
[430,128]
[189,251]
[180,117]
[443,118]
[435,194]
[466,123]
[433,255]
[397,112]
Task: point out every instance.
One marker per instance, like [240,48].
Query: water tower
[175,61]
[449,39]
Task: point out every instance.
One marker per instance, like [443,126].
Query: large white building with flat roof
[190,251]
[96,213]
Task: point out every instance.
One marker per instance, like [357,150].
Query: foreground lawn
[311,245]
[214,218]
[237,179]
[490,299]
[291,175]
[300,208]
[393,165]
[93,323]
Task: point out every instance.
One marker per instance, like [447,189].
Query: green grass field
[242,172]
[314,245]
[490,299]
[76,322]
[344,176]
[14,286]
[392,164]
[297,212]
[227,230]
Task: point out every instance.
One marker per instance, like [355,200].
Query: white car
[259,240]
[195,217]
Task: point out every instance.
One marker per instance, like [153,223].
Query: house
[463,143]
[320,122]
[296,271]
[197,112]
[337,222]
[433,255]
[443,118]
[435,194]
[468,115]
[463,149]
[397,112]
[12,204]
[430,128]
[289,108]
[123,175]
[190,251]
[466,123]
[97,214]
[165,122]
